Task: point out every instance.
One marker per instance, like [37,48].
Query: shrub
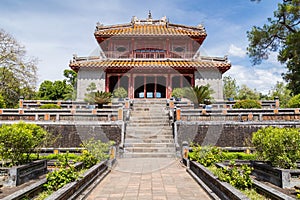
[20,139]
[64,175]
[88,159]
[238,156]
[59,178]
[280,146]
[206,155]
[238,177]
[294,102]
[50,106]
[97,148]
[248,103]
[178,92]
[120,92]
[2,102]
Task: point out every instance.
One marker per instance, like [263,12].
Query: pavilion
[149,58]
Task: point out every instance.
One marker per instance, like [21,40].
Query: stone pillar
[126,104]
[171,104]
[120,114]
[1,111]
[47,117]
[185,150]
[250,117]
[276,102]
[21,102]
[178,114]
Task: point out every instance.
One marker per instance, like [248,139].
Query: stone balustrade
[239,115]
[56,115]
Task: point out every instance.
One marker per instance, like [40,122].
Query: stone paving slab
[148,178]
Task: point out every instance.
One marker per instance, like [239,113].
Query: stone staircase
[148,133]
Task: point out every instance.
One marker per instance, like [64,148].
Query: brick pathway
[148,178]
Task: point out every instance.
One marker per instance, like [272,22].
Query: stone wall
[213,77]
[223,134]
[68,136]
[86,77]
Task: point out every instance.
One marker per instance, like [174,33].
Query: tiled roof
[150,30]
[146,64]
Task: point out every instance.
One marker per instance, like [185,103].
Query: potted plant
[120,93]
[101,98]
[177,93]
[198,94]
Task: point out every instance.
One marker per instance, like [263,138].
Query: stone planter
[17,175]
[284,178]
[222,189]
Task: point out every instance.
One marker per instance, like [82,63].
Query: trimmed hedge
[248,103]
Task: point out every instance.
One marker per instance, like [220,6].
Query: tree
[282,92]
[71,77]
[247,93]
[19,139]
[230,88]
[57,90]
[280,34]
[17,72]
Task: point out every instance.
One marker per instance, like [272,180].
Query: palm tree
[199,94]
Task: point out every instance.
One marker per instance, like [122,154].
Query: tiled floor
[148,178]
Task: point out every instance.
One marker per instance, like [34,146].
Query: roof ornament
[134,19]
[149,15]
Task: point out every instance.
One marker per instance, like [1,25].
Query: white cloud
[260,79]
[236,51]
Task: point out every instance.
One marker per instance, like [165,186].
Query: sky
[54,30]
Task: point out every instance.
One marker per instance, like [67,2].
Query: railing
[236,114]
[61,114]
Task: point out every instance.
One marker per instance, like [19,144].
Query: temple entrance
[149,87]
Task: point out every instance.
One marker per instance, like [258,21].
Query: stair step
[147,140]
[160,137]
[149,150]
[149,155]
[146,145]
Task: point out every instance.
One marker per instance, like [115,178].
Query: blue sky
[54,30]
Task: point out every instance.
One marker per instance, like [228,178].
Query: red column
[145,82]
[107,83]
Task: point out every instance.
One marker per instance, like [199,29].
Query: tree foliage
[281,91]
[19,139]
[280,34]
[57,90]
[294,102]
[280,146]
[247,93]
[71,77]
[230,88]
[18,72]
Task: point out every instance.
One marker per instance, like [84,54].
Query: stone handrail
[237,114]
[61,114]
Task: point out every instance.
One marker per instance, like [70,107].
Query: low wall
[17,175]
[222,134]
[222,189]
[285,178]
[70,135]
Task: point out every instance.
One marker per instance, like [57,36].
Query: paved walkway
[148,178]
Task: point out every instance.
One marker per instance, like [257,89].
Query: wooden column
[145,82]
[107,83]
[155,86]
